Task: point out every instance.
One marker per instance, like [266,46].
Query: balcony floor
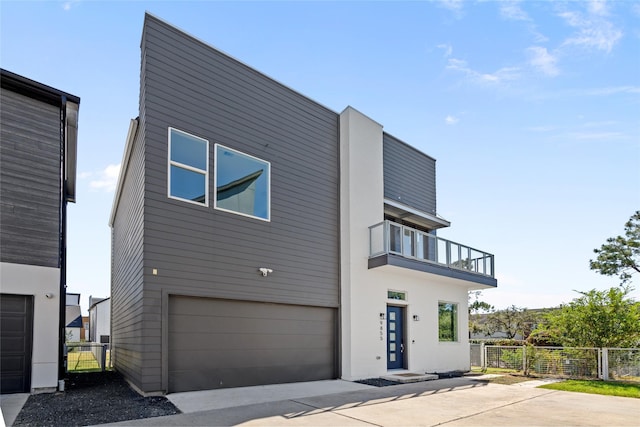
[433,268]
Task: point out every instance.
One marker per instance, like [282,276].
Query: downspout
[62,241]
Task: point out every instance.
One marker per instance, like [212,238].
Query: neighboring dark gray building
[37,179]
[229,252]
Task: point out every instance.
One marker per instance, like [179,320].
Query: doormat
[377,382]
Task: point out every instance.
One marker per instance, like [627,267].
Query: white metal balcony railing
[389,237]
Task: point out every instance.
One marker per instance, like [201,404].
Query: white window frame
[187,167]
[215,183]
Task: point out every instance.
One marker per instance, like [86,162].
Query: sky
[532,110]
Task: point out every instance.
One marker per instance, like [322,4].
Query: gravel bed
[90,399]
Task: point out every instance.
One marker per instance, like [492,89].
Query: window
[188,167]
[397,295]
[447,321]
[242,183]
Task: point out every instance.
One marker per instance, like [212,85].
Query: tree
[607,318]
[620,256]
[510,321]
[476,306]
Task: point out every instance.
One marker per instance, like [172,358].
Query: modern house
[37,179]
[73,318]
[259,237]
[99,320]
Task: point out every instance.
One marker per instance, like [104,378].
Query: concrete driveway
[455,402]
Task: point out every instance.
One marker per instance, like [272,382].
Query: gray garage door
[16,331]
[223,343]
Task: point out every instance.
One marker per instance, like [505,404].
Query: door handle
[401,348]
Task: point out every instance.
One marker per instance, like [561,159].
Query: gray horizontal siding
[29,181]
[202,251]
[190,86]
[409,175]
[127,293]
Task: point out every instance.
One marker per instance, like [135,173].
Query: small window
[397,295]
[188,167]
[447,321]
[242,183]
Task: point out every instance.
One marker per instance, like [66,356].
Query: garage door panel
[251,342]
[16,324]
[204,360]
[222,343]
[242,377]
[229,309]
[241,324]
[13,364]
[14,344]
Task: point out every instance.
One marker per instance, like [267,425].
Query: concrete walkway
[11,405]
[455,402]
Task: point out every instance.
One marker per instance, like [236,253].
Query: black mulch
[451,374]
[90,399]
[378,382]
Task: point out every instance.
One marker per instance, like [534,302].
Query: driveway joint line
[334,411]
[497,407]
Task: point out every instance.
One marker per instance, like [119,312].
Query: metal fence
[566,362]
[623,363]
[87,357]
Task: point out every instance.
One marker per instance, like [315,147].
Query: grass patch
[82,361]
[607,388]
[85,361]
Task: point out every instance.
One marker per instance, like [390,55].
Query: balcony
[395,244]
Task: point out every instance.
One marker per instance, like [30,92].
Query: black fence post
[104,357]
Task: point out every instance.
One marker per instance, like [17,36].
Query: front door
[395,337]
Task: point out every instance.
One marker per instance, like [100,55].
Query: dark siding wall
[203,251]
[29,181]
[127,269]
[199,90]
[409,175]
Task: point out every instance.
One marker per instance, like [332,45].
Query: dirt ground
[90,399]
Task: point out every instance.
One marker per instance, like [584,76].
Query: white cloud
[451,120]
[448,49]
[540,128]
[452,5]
[543,61]
[500,76]
[600,124]
[511,10]
[594,31]
[107,179]
[600,136]
[67,5]
[612,90]
[598,7]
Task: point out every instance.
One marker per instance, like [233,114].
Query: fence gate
[87,357]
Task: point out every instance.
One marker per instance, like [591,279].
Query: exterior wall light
[265,271]
[416,317]
[49,296]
